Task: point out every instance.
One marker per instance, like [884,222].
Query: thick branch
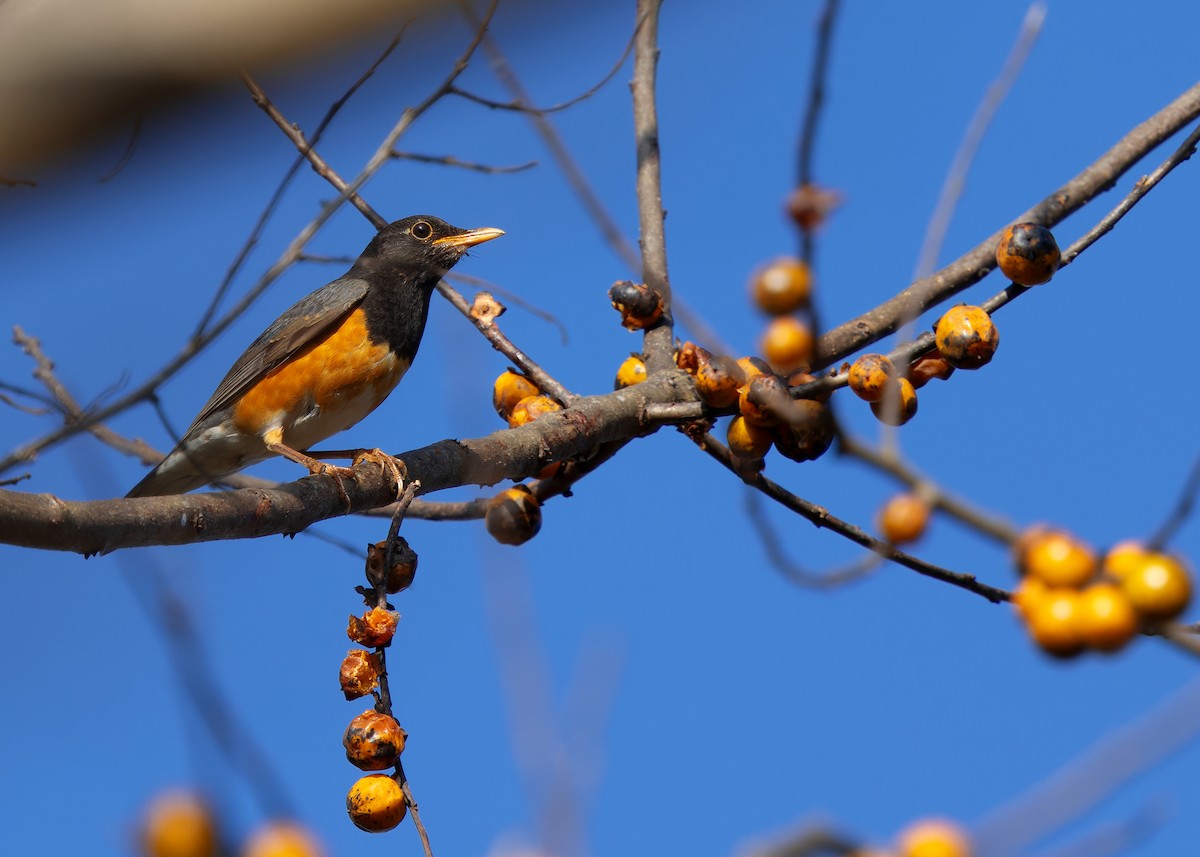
[44,521]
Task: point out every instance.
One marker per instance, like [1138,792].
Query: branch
[821,517]
[970,268]
[45,521]
[660,340]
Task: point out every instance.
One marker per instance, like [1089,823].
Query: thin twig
[821,517]
[1092,776]
[808,132]
[659,341]
[319,165]
[451,161]
[277,197]
[995,528]
[505,346]
[513,298]
[522,105]
[956,176]
[1179,515]
[794,572]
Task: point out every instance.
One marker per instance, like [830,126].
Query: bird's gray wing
[305,321]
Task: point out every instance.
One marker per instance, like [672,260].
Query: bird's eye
[422,230]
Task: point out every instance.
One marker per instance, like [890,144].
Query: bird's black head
[421,243]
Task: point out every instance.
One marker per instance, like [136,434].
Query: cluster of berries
[374,739]
[1071,601]
[182,824]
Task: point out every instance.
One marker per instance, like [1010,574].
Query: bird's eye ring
[422,231]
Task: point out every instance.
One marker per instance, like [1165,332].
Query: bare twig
[793,571]
[126,156]
[505,346]
[812,114]
[522,104]
[659,342]
[513,298]
[293,133]
[1107,765]
[1179,515]
[956,507]
[821,517]
[451,161]
[956,176]
[277,197]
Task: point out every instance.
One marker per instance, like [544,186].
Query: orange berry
[178,824]
[787,344]
[1055,622]
[513,516]
[898,405]
[782,286]
[1107,618]
[359,674]
[630,372]
[282,839]
[903,519]
[799,379]
[510,388]
[752,367]
[1028,592]
[373,741]
[933,837]
[531,408]
[871,375]
[374,628]
[1058,559]
[1158,586]
[1122,558]
[718,380]
[747,440]
[376,803]
[762,399]
[1028,254]
[966,337]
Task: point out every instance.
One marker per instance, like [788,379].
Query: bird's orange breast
[323,389]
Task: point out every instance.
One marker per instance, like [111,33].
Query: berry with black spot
[639,305]
[1028,254]
[967,337]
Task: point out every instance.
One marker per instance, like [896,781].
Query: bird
[324,364]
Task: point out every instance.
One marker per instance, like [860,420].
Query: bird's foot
[387,464]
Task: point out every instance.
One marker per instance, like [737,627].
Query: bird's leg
[315,467]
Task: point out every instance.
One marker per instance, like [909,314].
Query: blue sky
[642,642]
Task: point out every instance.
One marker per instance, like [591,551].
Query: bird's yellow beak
[469,238]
